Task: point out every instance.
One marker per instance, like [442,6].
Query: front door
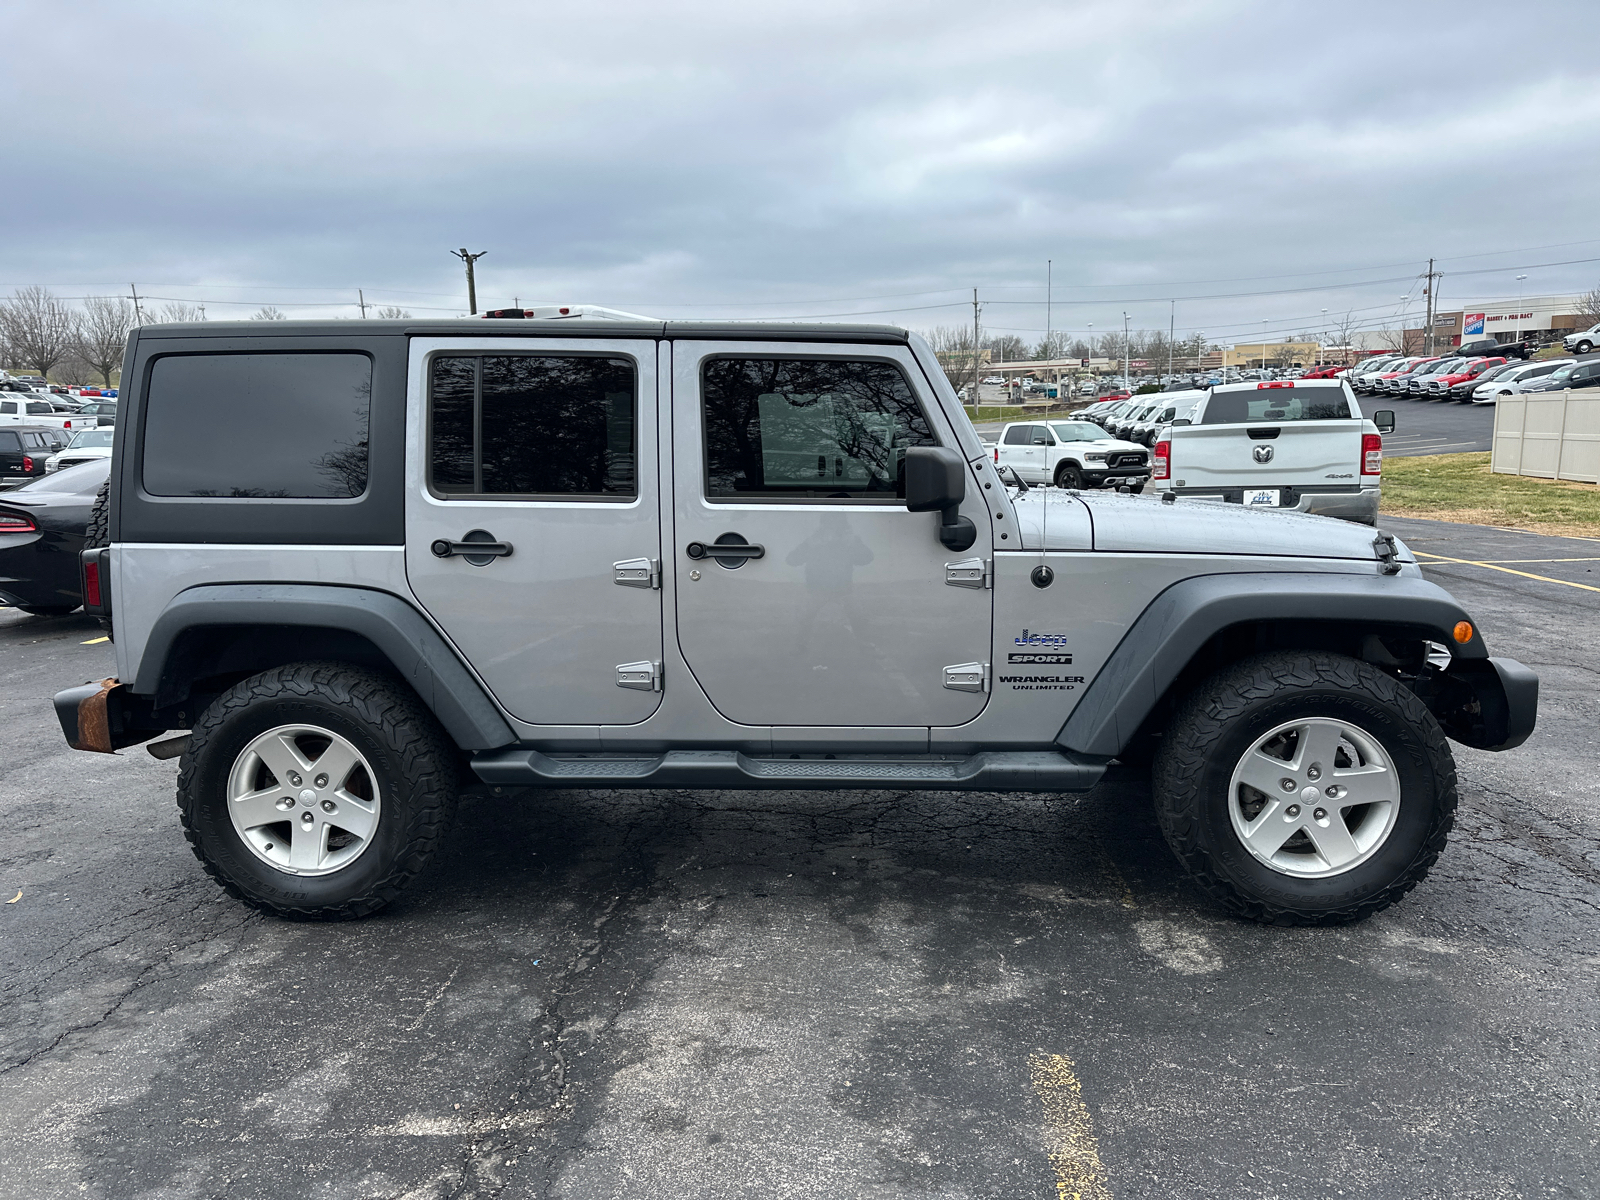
[543,451]
[844,615]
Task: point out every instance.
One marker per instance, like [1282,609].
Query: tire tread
[1226,697]
[399,718]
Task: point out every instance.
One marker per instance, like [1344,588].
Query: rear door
[544,451]
[849,616]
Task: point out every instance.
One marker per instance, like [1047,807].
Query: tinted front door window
[807,428]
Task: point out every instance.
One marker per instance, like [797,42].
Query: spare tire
[99,534]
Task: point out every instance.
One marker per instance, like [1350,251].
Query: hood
[1113,521]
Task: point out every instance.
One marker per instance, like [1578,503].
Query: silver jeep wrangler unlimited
[358,564]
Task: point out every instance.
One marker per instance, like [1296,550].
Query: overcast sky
[806,159]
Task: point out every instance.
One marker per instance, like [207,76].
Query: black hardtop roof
[568,327]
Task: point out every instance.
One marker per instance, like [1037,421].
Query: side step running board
[1017,770]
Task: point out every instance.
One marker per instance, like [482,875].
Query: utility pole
[974,345]
[1049,350]
[472,286]
[1427,332]
[138,313]
[361,300]
[1172,333]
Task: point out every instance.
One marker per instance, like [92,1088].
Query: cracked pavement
[803,994]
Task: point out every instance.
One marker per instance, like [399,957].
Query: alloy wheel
[303,799]
[1314,798]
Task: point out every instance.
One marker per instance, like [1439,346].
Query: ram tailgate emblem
[1262,454]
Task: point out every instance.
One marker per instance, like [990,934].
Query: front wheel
[1305,788]
[1583,347]
[1069,476]
[316,790]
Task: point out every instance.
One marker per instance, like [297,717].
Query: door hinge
[969,573]
[637,572]
[967,677]
[640,676]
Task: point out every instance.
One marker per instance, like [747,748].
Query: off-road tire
[410,756]
[1070,477]
[99,534]
[1223,716]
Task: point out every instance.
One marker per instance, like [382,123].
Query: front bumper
[1099,477]
[1485,703]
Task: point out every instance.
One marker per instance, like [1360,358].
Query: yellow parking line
[1074,1150]
[1467,562]
[1491,561]
[94,641]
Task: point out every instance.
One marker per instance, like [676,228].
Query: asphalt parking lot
[609,994]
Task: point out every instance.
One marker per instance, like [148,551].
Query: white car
[1583,341]
[1070,454]
[1508,383]
[86,446]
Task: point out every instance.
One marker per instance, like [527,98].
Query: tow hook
[1388,553]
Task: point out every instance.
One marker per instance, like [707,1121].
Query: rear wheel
[1069,475]
[1305,788]
[316,790]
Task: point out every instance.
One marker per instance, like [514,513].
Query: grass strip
[1459,487]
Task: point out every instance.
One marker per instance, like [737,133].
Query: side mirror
[1384,420]
[1183,421]
[936,481]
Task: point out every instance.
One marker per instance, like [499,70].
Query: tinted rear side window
[1277,404]
[807,428]
[532,425]
[290,426]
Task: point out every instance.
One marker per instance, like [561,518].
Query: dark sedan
[42,527]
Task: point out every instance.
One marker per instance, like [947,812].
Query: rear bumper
[104,717]
[1349,504]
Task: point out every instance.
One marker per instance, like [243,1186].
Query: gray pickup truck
[353,566]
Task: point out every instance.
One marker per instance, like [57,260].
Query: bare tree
[267,313]
[39,329]
[103,333]
[1053,346]
[390,313]
[1007,347]
[1344,332]
[176,312]
[1589,305]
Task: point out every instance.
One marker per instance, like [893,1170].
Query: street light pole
[1127,383]
[1263,347]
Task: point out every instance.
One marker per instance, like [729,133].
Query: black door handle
[701,550]
[729,550]
[479,547]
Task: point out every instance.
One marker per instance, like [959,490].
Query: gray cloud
[737,159]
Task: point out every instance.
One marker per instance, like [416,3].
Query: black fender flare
[1183,618]
[416,650]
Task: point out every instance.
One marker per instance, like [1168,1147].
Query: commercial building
[1542,318]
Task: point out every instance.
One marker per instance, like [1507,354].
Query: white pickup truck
[23,408]
[1071,454]
[1301,444]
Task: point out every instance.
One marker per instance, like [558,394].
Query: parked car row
[1467,380]
[1141,419]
